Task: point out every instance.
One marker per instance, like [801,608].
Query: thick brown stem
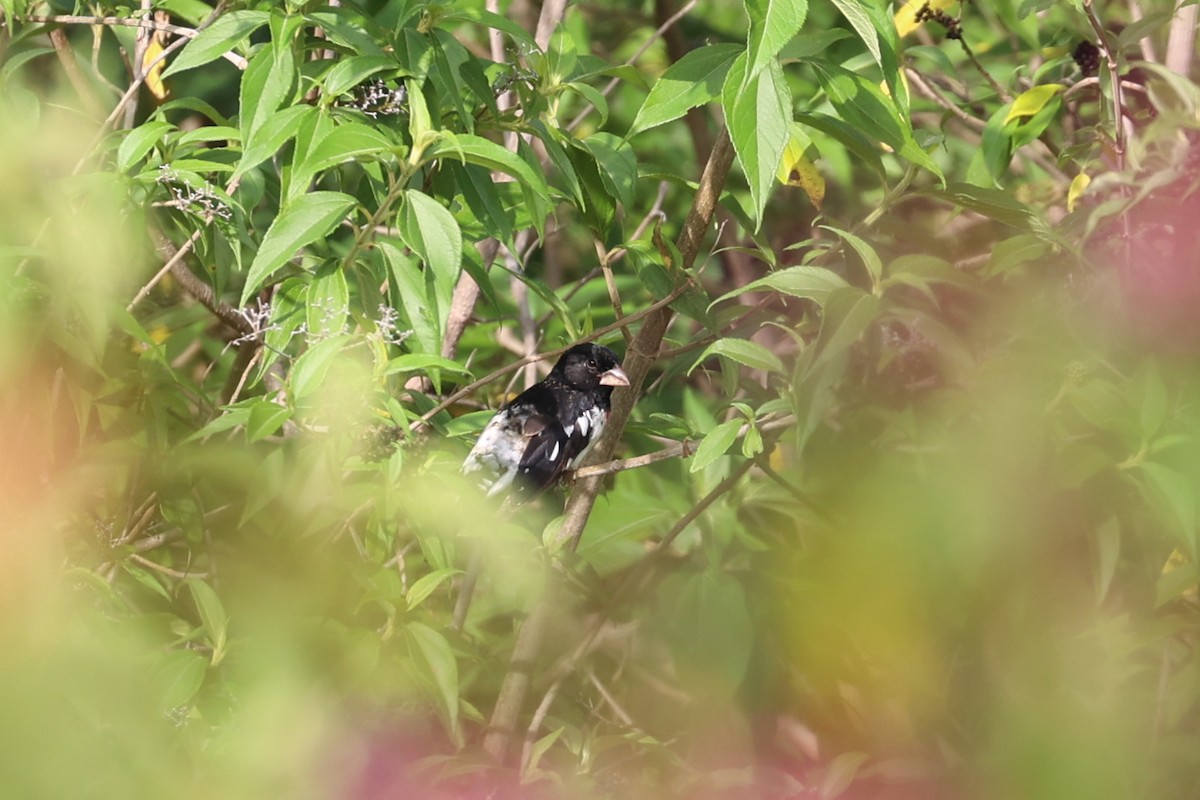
[640,356]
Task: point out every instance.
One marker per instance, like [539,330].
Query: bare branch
[128,22]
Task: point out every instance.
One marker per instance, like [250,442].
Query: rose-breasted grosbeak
[549,427]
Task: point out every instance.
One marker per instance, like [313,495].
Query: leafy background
[904,505]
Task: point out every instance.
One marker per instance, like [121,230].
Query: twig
[708,499]
[621,713]
[987,76]
[196,287]
[681,449]
[1087,83]
[174,573]
[678,450]
[167,267]
[918,80]
[610,283]
[638,360]
[1114,78]
[651,39]
[66,57]
[596,334]
[128,22]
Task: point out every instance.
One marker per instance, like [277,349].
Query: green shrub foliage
[904,503]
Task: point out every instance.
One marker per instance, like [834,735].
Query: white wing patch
[497,454]
[591,420]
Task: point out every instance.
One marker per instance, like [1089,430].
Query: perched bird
[549,427]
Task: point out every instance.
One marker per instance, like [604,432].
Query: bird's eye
[592,363]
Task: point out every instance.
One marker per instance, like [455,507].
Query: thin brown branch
[641,51]
[596,334]
[638,359]
[1118,100]
[926,89]
[610,282]
[708,499]
[66,57]
[681,449]
[174,573]
[987,76]
[128,22]
[196,287]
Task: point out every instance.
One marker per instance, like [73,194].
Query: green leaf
[426,585]
[855,12]
[691,81]
[139,142]
[538,750]
[223,35]
[863,149]
[349,72]
[492,20]
[433,234]
[711,630]
[743,351]
[759,116]
[341,28]
[409,285]
[212,615]
[267,84]
[266,417]
[716,443]
[773,23]
[310,217]
[433,651]
[1032,101]
[178,675]
[618,165]
[328,302]
[867,253]
[752,442]
[345,143]
[864,106]
[1178,494]
[848,312]
[310,369]
[812,283]
[423,362]
[271,136]
[471,149]
[992,203]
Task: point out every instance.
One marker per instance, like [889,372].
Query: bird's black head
[589,366]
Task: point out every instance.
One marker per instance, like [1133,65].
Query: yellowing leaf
[906,17]
[1078,187]
[795,169]
[887,90]
[1031,102]
[154,49]
[154,76]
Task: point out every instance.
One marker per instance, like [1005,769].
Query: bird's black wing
[563,436]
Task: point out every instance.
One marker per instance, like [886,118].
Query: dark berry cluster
[952,25]
[1087,56]
[376,99]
